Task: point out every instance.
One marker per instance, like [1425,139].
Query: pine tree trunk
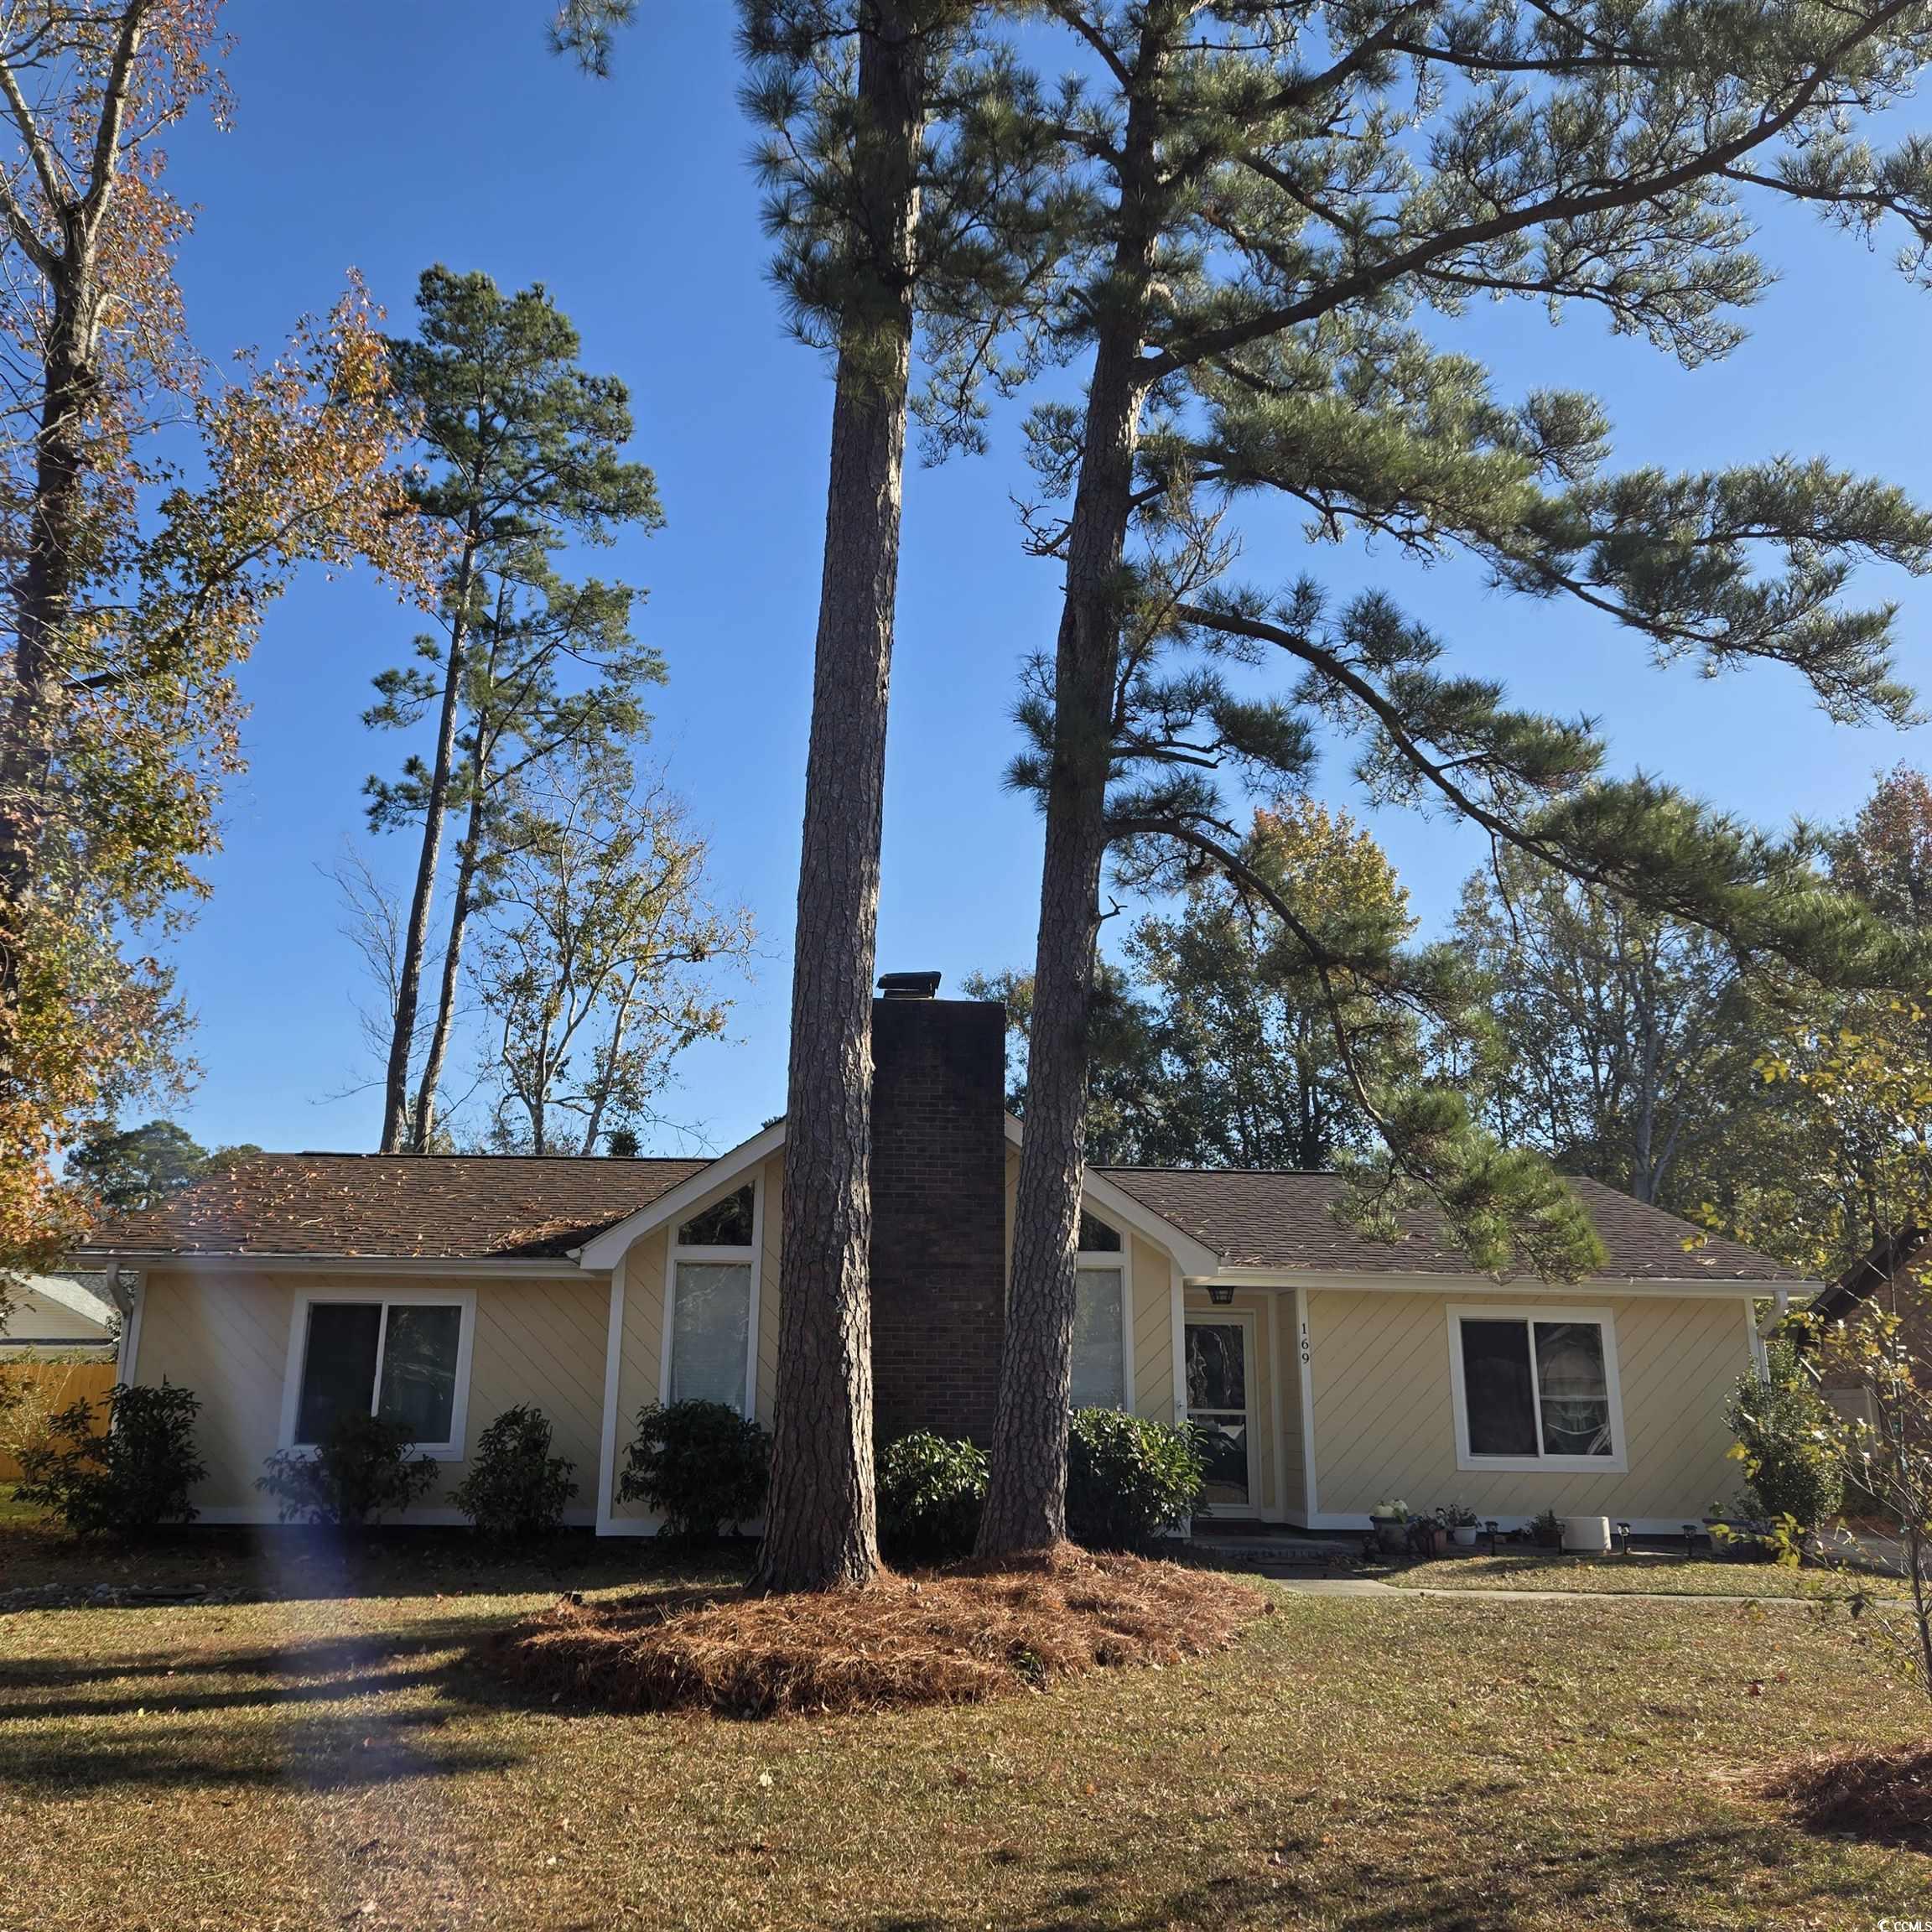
[424,1126]
[415,935]
[1026,1499]
[820,1532]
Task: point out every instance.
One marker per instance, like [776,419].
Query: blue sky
[388,136]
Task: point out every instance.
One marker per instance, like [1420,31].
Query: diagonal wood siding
[226,1337]
[1384,1423]
[1153,1290]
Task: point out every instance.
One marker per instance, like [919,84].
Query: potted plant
[1461,1521]
[1390,1522]
[1427,1534]
[1544,1530]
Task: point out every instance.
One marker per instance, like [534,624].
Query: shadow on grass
[1652,1881]
[293,1563]
[336,1711]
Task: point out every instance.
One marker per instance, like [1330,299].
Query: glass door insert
[1217,1407]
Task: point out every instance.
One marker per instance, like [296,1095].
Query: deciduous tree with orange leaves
[151,508]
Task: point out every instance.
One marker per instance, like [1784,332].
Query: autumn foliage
[159,507]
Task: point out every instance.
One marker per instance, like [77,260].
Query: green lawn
[1636,1574]
[331,1757]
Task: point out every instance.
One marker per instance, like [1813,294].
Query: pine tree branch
[1571,206]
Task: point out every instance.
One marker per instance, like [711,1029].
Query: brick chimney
[939,1208]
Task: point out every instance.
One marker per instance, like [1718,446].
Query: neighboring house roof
[1279,1219]
[415,1207]
[1882,1264]
[64,1308]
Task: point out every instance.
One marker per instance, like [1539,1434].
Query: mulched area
[1884,1797]
[956,1636]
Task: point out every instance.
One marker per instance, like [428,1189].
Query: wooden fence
[49,1386]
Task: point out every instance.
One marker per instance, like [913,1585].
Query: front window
[1100,1318]
[1099,1366]
[711,1303]
[400,1360]
[1536,1390]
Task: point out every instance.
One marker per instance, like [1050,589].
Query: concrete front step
[1271,1552]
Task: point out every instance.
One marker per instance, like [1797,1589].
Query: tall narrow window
[1099,1367]
[711,1302]
[1100,1318]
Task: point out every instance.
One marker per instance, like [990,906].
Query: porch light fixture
[1220,1295]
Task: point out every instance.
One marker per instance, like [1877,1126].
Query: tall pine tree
[905,167]
[524,452]
[1282,192]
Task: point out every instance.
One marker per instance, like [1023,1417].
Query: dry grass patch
[1884,1797]
[954,1637]
[1642,1573]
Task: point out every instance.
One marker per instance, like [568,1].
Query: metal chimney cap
[909,985]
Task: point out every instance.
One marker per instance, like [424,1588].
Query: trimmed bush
[701,1465]
[360,1468]
[515,1490]
[931,1489]
[1784,1428]
[1129,1479]
[136,1476]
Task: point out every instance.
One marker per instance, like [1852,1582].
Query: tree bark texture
[44,591]
[435,809]
[820,1529]
[44,608]
[422,1127]
[1026,1499]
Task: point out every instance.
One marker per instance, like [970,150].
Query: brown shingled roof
[424,1206]
[1274,1219]
[468,1206]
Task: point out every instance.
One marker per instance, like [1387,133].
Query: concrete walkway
[1364,1586]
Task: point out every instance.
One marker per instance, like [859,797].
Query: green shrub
[359,1469]
[701,1465]
[1785,1435]
[515,1489]
[135,1476]
[1129,1479]
[930,1491]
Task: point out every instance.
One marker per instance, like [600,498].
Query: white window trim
[673,1254]
[306,1298]
[1617,1463]
[1123,1259]
[1248,1322]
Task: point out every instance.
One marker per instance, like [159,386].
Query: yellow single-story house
[1328,1371]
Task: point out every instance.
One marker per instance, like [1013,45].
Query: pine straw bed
[949,1637]
[1884,1797]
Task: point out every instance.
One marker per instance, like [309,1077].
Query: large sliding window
[403,1357]
[713,1295]
[1535,1390]
[1100,1313]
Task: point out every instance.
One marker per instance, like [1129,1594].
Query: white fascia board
[482,1267]
[1697,1287]
[1115,1203]
[606,1250]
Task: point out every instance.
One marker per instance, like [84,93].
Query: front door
[1217,1407]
